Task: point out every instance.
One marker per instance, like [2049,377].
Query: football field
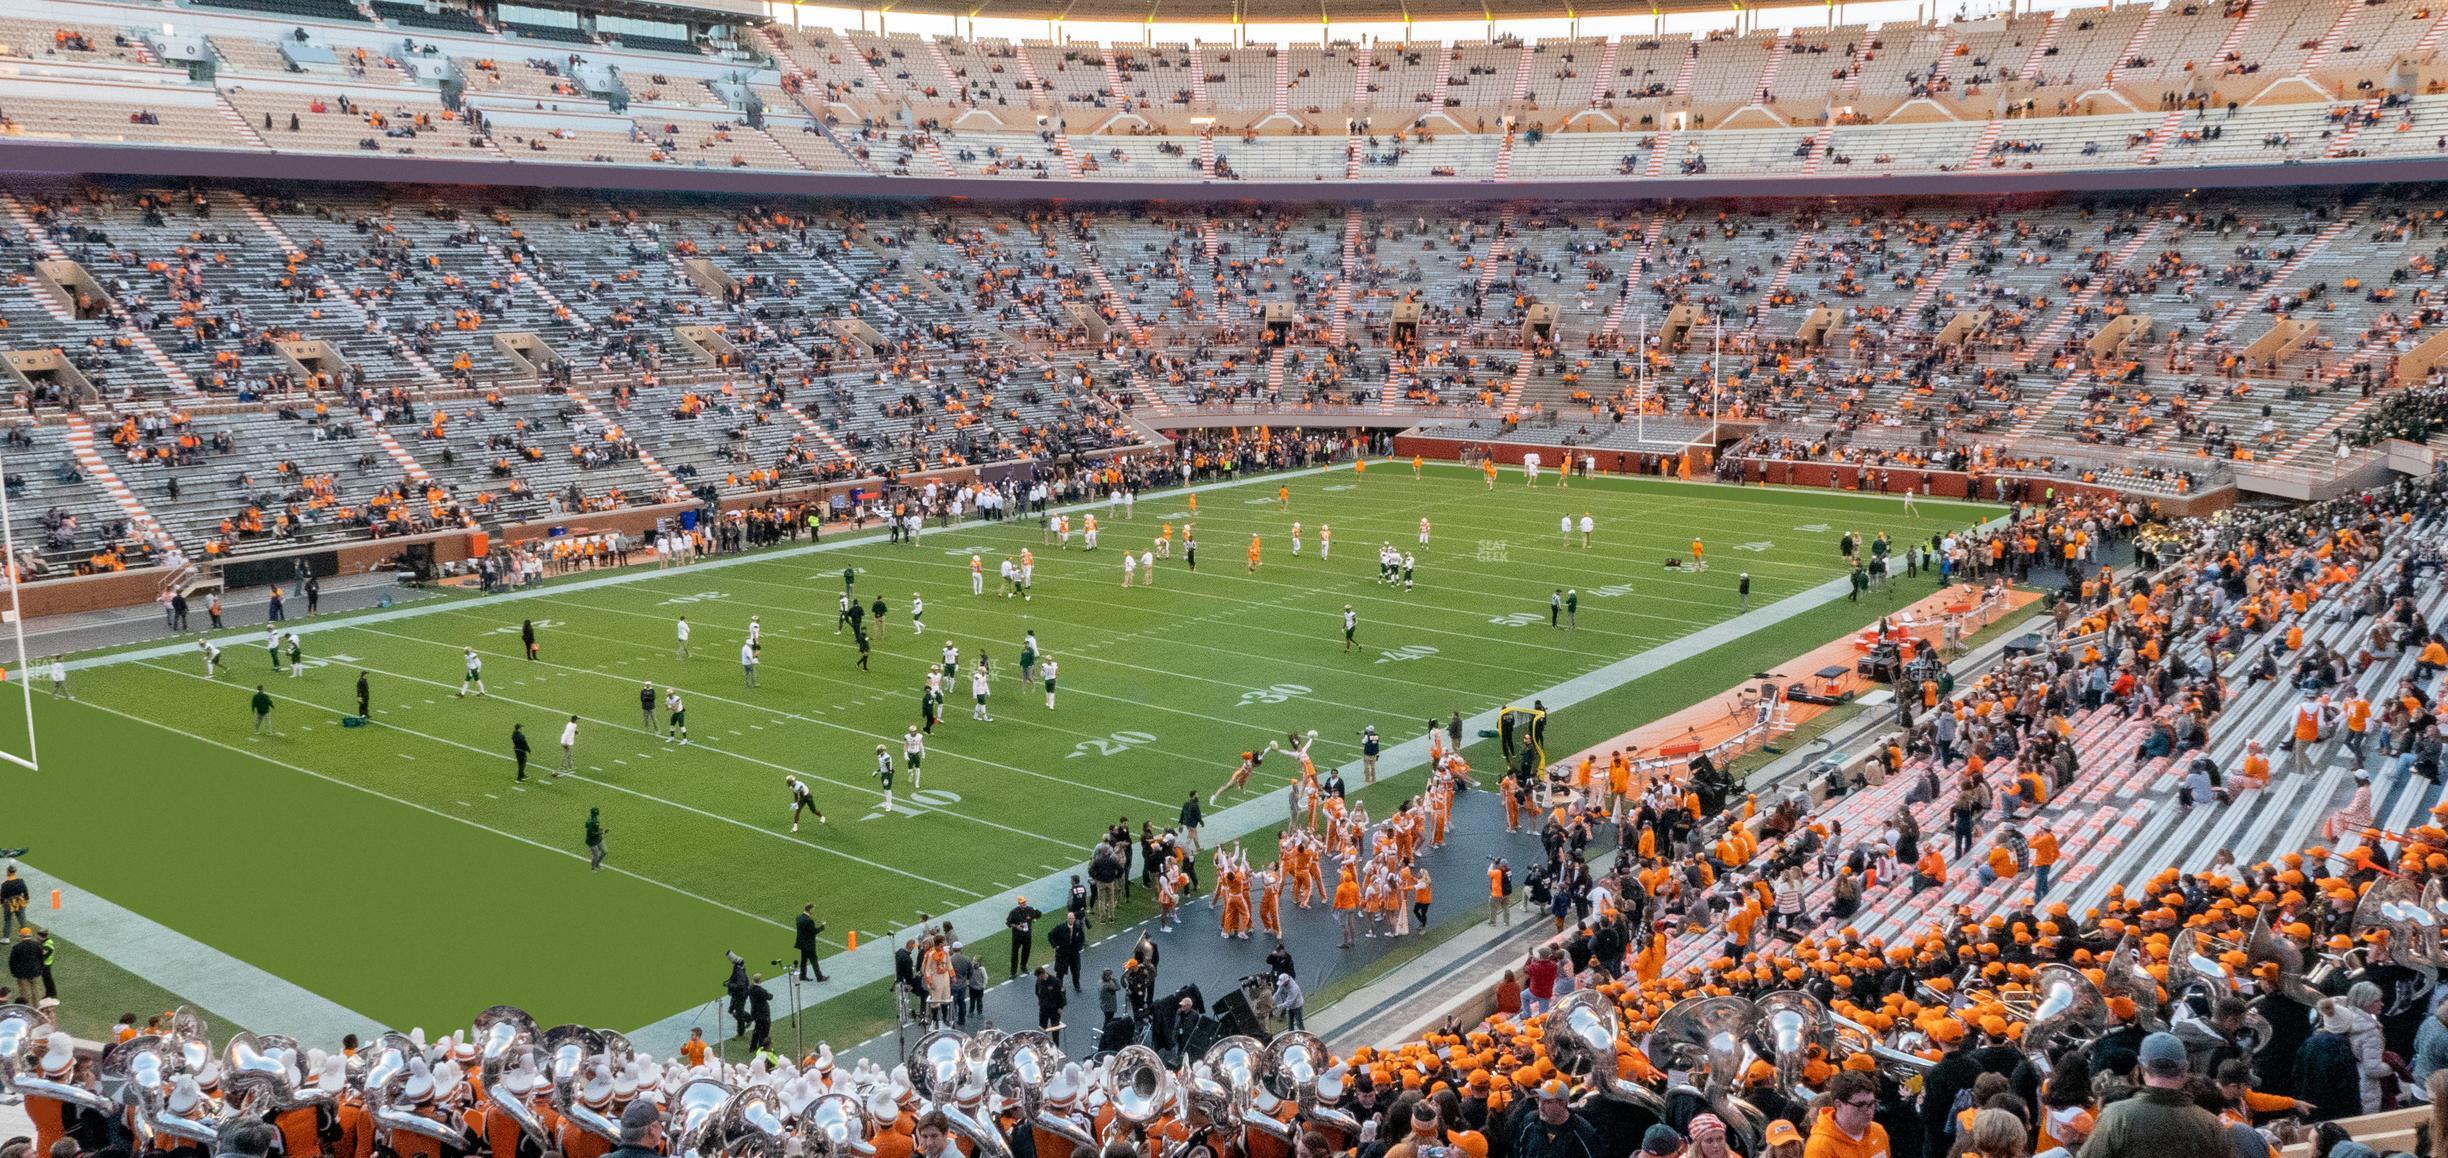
[398,871]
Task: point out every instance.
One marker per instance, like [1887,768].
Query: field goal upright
[20,662]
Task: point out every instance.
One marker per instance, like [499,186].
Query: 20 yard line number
[1110,745]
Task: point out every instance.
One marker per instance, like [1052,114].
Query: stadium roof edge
[70,158]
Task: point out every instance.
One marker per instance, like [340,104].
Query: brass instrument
[1582,1034]
[1022,1065]
[2127,978]
[1236,1062]
[1850,1037]
[939,1071]
[1136,1086]
[23,1030]
[505,1035]
[1294,1066]
[1709,1036]
[752,1124]
[691,1117]
[2068,1005]
[835,1126]
[395,1058]
[568,1050]
[1789,1026]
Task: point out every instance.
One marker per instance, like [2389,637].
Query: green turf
[95,991]
[395,870]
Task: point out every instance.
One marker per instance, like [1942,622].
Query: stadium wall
[80,158]
[1808,475]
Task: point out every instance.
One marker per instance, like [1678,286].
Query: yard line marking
[403,755]
[432,811]
[490,796]
[463,804]
[619,578]
[878,737]
[733,821]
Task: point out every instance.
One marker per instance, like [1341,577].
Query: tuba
[939,1070]
[752,1124]
[1791,1024]
[1292,1069]
[1709,1036]
[22,1030]
[1023,1063]
[506,1034]
[1137,1087]
[143,1068]
[2264,946]
[691,1118]
[2394,906]
[2126,978]
[1235,1062]
[1582,1032]
[835,1126]
[256,1078]
[567,1051]
[383,1077]
[2069,1006]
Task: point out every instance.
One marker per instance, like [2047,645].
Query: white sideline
[190,968]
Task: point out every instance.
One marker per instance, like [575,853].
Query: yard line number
[1273,694]
[1113,745]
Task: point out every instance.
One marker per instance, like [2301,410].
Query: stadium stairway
[42,239]
[399,454]
[333,291]
[2039,347]
[2044,46]
[2238,306]
[80,440]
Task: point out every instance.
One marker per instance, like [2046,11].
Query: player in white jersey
[1048,668]
[475,672]
[212,657]
[802,800]
[682,631]
[917,613]
[913,754]
[1296,540]
[1410,563]
[977,575]
[756,635]
[977,689]
[1325,540]
[675,717]
[1423,531]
